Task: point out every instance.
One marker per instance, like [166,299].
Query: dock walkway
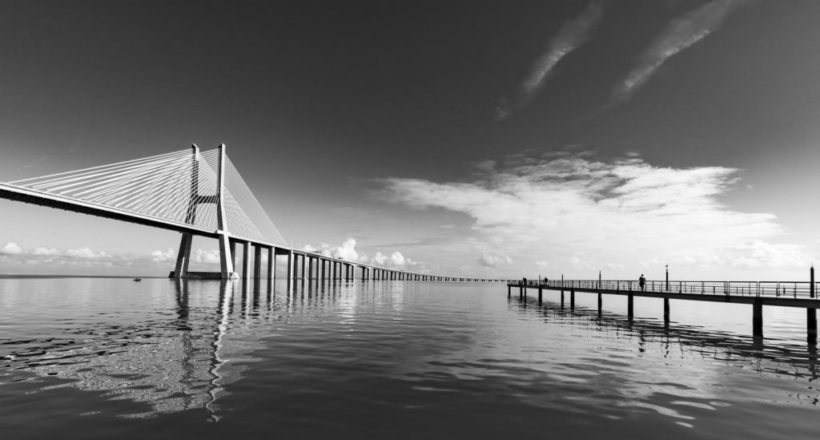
[757,293]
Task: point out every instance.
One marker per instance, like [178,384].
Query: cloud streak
[680,34]
[572,35]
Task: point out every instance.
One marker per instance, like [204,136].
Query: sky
[457,138]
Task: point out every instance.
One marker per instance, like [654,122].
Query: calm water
[111,358]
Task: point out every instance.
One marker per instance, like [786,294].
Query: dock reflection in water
[109,357]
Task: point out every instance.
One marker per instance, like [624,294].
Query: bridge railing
[788,289]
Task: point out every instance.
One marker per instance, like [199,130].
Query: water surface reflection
[381,359]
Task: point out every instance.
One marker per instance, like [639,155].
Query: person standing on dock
[642,282]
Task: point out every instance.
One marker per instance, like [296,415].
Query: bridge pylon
[226,261]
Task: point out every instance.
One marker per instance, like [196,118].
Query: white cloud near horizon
[13,254]
[571,35]
[491,260]
[347,251]
[678,35]
[576,213]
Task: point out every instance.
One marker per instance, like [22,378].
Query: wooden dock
[757,293]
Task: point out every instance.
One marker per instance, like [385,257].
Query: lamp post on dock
[667,277]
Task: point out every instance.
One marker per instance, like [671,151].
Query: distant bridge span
[197,194]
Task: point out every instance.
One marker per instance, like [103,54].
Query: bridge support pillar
[757,318]
[226,263]
[290,265]
[183,256]
[303,268]
[270,264]
[562,298]
[540,292]
[572,299]
[666,312]
[509,291]
[246,260]
[257,261]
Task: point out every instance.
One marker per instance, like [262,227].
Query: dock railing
[790,289]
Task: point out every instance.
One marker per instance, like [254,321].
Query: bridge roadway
[301,264]
[756,293]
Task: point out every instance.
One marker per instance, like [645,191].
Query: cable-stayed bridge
[197,193]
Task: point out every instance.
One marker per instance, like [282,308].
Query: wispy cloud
[680,34]
[572,35]
[575,214]
[35,162]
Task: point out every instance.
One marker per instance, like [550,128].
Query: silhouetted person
[642,282]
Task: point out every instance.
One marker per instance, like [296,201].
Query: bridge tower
[184,253]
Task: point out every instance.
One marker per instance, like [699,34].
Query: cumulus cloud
[78,260]
[572,35]
[347,251]
[11,248]
[490,260]
[162,256]
[206,256]
[680,34]
[597,212]
[397,259]
[41,251]
[379,258]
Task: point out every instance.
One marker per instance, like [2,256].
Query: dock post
[572,299]
[757,317]
[600,303]
[562,298]
[630,307]
[540,291]
[811,313]
[509,291]
[666,312]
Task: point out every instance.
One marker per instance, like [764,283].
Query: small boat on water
[137,279]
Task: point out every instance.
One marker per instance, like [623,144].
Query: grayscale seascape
[110,358]
[409,219]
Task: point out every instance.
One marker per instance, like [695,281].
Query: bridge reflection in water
[178,358]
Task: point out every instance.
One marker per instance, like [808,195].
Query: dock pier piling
[757,318]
